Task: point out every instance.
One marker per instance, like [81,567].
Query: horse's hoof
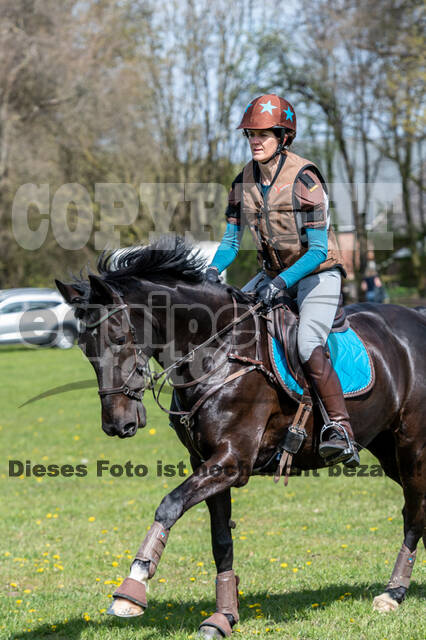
[209,632]
[123,608]
[384,603]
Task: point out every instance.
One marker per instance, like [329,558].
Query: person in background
[372,286]
[282,198]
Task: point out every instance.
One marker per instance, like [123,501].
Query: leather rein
[151,378]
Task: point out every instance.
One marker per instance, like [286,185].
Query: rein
[136,393]
[286,449]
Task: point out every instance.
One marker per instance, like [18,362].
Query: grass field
[311,556]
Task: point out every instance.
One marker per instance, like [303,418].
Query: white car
[36,317]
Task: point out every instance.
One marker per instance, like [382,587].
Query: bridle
[135,393]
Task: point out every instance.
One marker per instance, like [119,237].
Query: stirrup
[346,452]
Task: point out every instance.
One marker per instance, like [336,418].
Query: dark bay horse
[153,302]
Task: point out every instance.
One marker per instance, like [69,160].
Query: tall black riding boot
[337,438]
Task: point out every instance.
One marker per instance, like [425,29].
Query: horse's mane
[168,259]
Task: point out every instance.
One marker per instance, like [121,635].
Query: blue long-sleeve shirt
[306,264]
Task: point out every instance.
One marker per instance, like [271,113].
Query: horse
[154,302]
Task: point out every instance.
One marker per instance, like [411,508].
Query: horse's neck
[191,318]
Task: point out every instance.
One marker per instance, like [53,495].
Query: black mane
[169,258]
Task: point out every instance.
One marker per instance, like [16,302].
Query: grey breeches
[317,297]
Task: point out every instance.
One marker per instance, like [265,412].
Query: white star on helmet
[267,106]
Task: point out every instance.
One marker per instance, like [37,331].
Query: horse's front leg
[220,623]
[213,477]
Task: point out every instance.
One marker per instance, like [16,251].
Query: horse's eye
[120,340]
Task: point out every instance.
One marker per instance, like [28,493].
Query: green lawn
[311,556]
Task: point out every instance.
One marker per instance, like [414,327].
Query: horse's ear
[102,293]
[69,292]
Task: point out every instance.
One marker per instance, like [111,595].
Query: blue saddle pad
[350,361]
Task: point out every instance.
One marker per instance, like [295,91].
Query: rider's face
[263,144]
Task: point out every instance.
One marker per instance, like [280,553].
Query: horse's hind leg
[412,470]
[221,622]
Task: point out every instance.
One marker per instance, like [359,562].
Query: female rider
[282,198]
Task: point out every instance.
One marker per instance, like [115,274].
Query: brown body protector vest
[277,223]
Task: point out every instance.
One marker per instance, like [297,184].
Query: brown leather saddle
[283,322]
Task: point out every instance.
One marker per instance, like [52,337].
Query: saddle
[283,323]
[347,352]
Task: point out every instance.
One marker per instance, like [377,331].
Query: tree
[335,80]
[395,35]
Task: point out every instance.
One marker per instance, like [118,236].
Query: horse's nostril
[130,429]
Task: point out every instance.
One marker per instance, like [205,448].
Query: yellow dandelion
[284,565]
[373,528]
[27,590]
[164,579]
[48,515]
[192,579]
[344,546]
[76,437]
[92,519]
[152,432]
[295,569]
[315,605]
[114,564]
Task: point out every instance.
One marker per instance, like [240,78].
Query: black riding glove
[268,293]
[212,275]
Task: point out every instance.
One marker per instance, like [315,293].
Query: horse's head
[108,339]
